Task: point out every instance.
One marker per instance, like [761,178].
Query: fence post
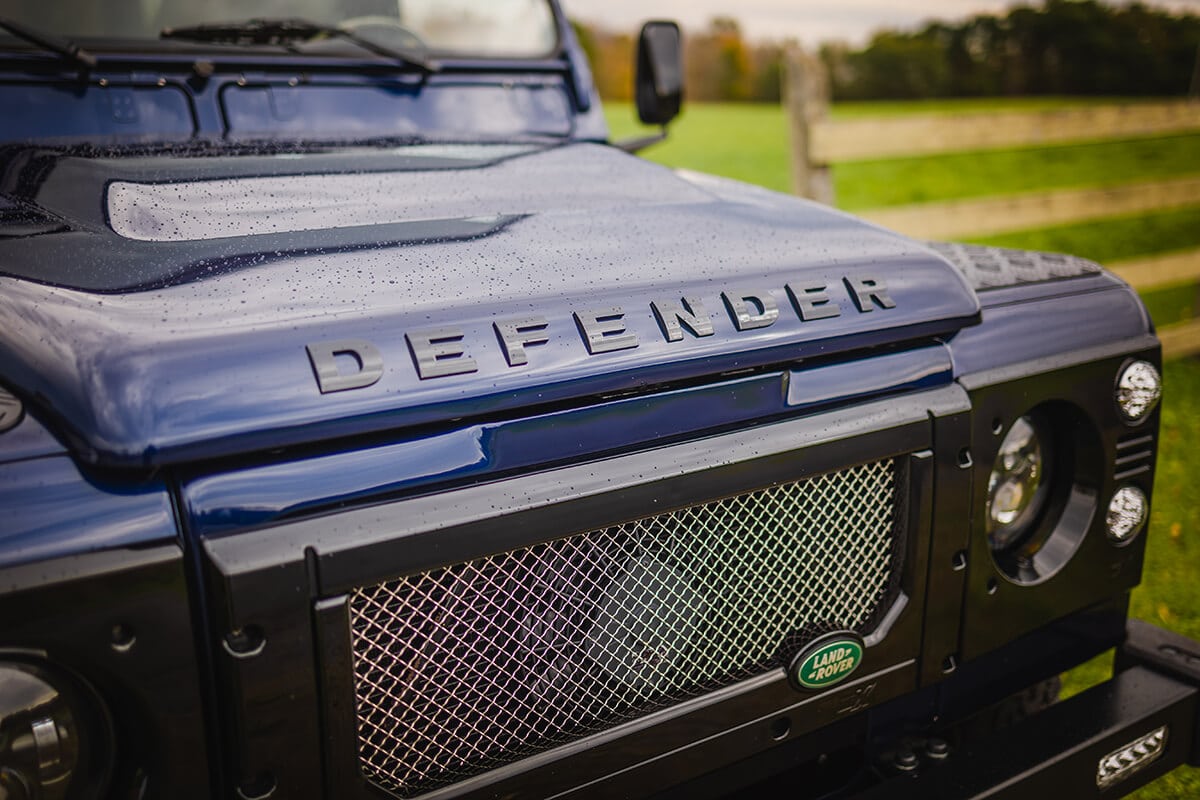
[1194,91]
[807,101]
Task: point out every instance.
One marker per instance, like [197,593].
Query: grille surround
[465,668]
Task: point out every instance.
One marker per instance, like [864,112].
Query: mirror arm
[639,143]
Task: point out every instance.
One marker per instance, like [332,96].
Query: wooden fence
[819,142]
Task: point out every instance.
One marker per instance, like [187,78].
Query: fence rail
[1181,339]
[933,134]
[819,142]
[1160,272]
[995,215]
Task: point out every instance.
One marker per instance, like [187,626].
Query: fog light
[1138,390]
[1133,757]
[1127,513]
[1018,484]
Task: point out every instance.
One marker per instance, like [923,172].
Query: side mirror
[659,83]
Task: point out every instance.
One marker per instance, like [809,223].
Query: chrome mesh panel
[472,666]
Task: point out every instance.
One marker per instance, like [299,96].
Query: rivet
[906,761]
[122,638]
[780,729]
[245,642]
[937,749]
[260,787]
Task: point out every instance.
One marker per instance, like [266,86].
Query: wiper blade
[249,32]
[285,32]
[67,49]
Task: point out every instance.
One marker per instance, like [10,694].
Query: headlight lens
[1138,390]
[1017,485]
[1127,512]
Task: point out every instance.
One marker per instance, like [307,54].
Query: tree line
[1076,47]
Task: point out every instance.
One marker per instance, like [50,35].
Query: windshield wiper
[286,31]
[67,49]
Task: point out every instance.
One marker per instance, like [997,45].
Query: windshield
[500,28]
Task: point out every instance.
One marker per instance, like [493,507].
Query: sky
[809,21]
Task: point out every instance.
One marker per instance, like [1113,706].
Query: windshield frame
[332,50]
[204,72]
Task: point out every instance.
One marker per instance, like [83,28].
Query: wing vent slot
[1135,456]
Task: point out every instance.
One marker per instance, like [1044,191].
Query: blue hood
[167,310]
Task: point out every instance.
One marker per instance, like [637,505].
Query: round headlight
[38,733]
[1127,512]
[1018,484]
[55,739]
[1138,390]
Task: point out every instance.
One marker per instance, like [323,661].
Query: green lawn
[742,141]
[750,143]
[1114,239]
[1170,594]
[865,184]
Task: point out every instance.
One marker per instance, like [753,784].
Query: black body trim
[1063,745]
[997,607]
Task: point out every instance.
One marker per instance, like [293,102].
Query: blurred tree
[766,69]
[718,62]
[732,60]
[612,58]
[1060,47]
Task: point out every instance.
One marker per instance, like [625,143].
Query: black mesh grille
[472,666]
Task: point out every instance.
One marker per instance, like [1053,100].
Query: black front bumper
[1105,742]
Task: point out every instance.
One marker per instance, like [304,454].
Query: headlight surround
[1019,483]
[1043,491]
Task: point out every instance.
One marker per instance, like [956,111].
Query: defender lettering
[443,352]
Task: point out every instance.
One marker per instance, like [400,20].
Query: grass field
[866,184]
[749,143]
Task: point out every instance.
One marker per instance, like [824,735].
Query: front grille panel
[473,666]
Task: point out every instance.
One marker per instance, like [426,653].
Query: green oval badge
[827,661]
